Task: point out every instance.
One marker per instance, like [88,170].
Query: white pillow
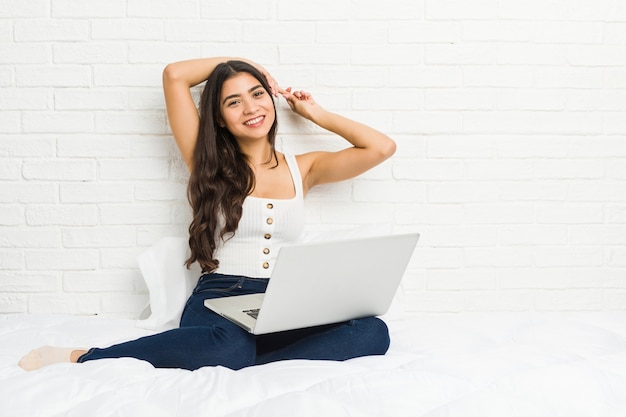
[170,283]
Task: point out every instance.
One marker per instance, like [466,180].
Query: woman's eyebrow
[256,87]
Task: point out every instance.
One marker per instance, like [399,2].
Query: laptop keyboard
[254,313]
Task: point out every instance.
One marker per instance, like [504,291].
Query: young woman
[247,200]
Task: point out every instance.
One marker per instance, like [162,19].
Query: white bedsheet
[482,365]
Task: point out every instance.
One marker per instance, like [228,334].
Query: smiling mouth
[254,121]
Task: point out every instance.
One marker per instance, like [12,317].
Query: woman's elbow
[173,73]
[388,148]
[169,73]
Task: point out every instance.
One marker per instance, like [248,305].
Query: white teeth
[254,121]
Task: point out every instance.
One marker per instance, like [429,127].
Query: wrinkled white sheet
[499,364]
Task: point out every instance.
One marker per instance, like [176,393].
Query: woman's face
[247,109]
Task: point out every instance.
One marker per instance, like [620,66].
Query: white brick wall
[510,119]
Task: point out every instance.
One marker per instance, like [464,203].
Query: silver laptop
[323,282]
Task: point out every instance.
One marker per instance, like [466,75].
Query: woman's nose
[249,106]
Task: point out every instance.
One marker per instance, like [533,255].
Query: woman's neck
[259,154]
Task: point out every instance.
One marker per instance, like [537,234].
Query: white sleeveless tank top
[265,225]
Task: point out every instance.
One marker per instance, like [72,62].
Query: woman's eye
[232,103]
[259,93]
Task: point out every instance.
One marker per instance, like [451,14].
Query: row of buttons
[268,236]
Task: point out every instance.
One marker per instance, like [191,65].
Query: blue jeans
[204,338]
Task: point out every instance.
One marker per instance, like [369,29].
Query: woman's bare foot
[49,355]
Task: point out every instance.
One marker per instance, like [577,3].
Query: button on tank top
[265,225]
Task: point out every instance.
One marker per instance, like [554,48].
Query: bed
[498,364]
[459,365]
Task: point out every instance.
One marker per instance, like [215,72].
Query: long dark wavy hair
[221,178]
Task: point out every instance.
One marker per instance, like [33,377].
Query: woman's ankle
[76,354]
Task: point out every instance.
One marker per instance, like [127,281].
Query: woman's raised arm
[369,146]
[182,113]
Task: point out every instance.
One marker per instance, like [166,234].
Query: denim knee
[228,347]
[375,333]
